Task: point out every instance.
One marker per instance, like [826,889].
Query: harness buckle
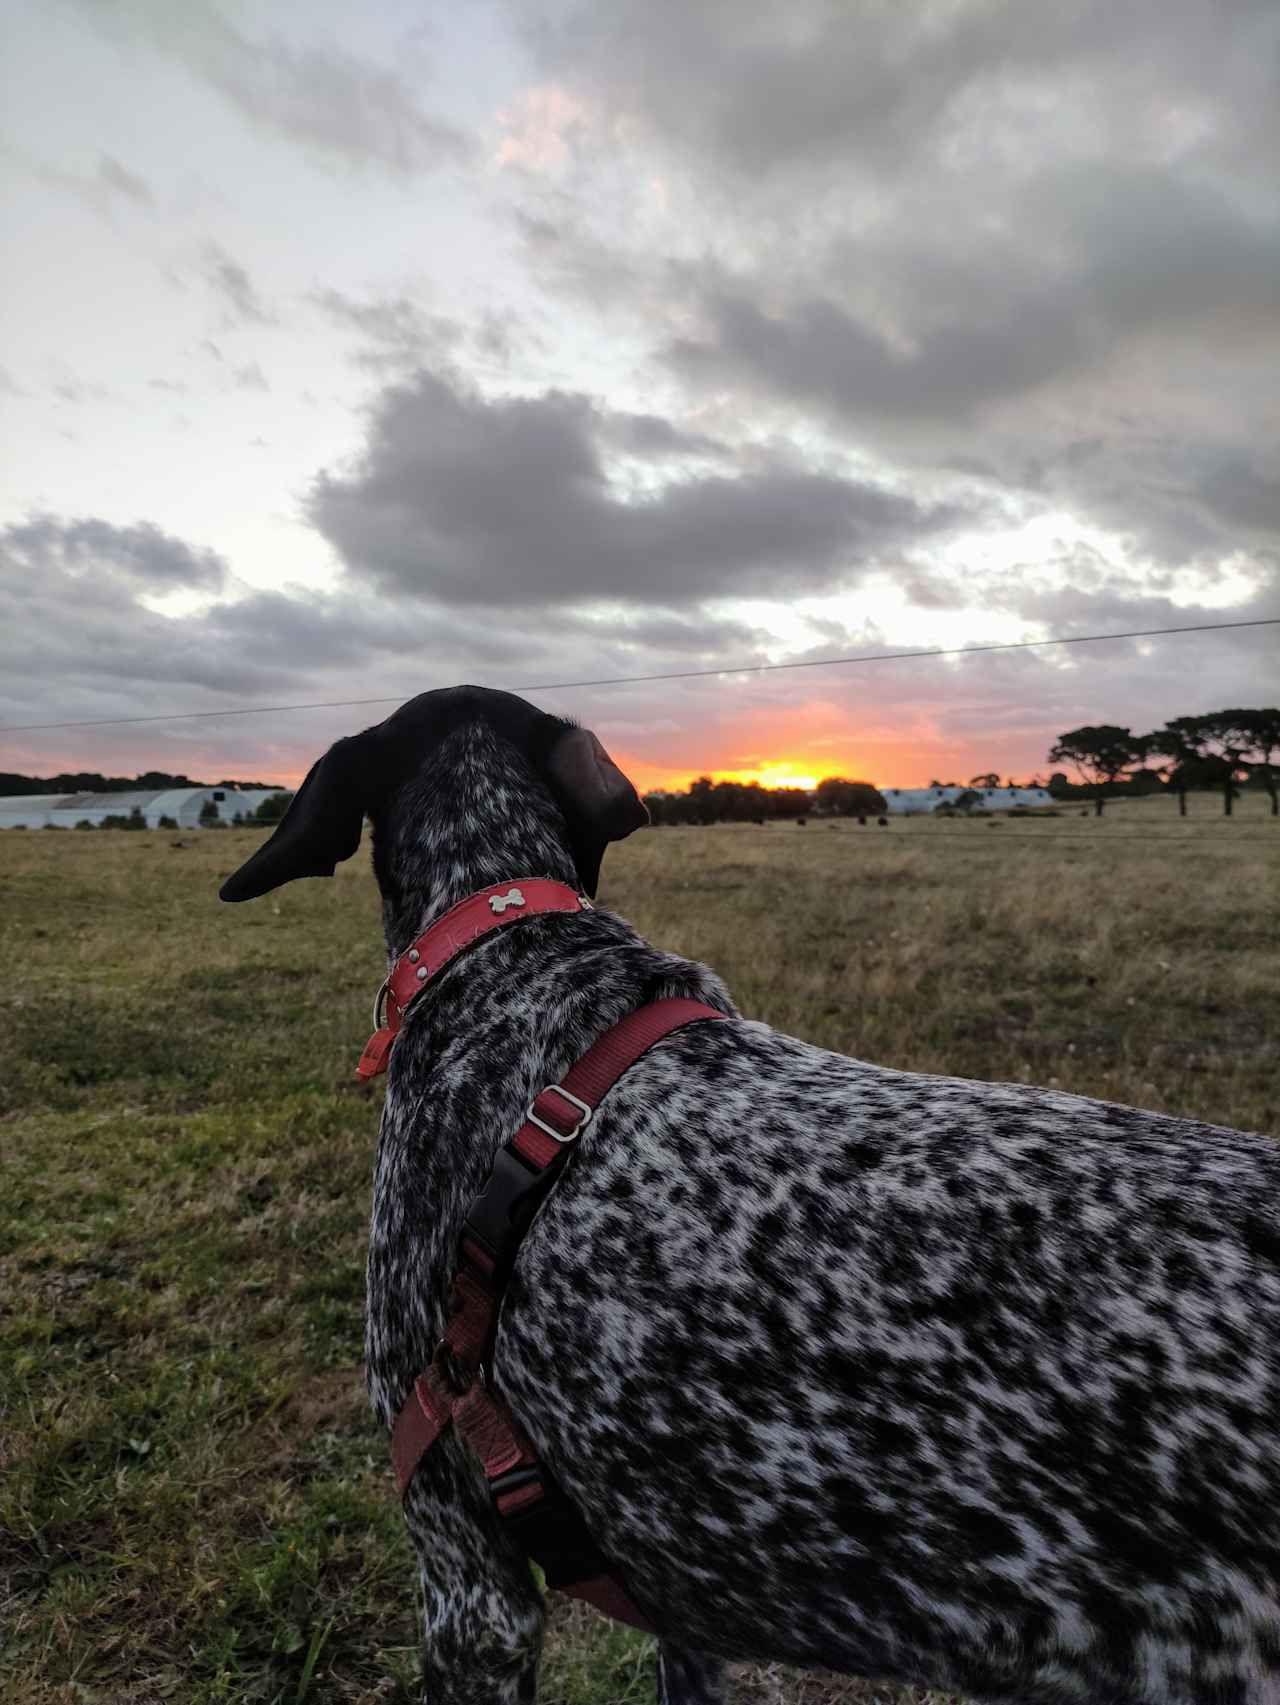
[503,1486]
[584,1119]
[456,1377]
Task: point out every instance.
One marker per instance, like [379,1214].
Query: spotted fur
[972,1386]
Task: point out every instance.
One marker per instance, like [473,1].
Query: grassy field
[194,1504]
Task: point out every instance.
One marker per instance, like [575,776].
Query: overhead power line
[671,675]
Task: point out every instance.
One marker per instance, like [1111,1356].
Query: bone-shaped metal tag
[500,902]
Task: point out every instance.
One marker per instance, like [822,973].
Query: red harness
[455,1387]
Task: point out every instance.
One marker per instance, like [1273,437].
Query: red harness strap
[453,1387]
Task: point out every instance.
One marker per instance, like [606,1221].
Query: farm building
[182,804]
[904,799]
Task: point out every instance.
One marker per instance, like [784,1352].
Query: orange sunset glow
[777,745]
[798,745]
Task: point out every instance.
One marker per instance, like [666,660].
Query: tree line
[707,801]
[1216,750]
[90,781]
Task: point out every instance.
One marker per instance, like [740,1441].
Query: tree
[836,797]
[1204,751]
[967,800]
[1100,755]
[209,811]
[991,779]
[1180,772]
[1255,736]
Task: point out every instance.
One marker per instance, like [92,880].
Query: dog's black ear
[599,803]
[320,828]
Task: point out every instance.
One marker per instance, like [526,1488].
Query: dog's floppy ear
[320,828]
[599,803]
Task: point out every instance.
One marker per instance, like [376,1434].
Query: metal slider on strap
[584,1119]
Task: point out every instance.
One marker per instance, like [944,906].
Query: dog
[968,1386]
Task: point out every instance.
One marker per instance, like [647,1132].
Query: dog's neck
[475,814]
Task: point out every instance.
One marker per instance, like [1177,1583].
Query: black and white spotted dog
[972,1386]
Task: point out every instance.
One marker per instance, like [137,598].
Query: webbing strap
[449,1388]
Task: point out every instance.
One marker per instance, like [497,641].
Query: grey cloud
[100,191]
[82,391]
[819,353]
[771,91]
[398,333]
[654,436]
[470,501]
[965,236]
[234,288]
[1234,489]
[328,99]
[75,642]
[75,639]
[949,328]
[250,377]
[117,178]
[92,553]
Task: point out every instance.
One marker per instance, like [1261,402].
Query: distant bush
[167,823]
[838,797]
[58,828]
[209,812]
[113,821]
[84,823]
[273,809]
[135,819]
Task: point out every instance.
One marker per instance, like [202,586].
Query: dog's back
[959,1382]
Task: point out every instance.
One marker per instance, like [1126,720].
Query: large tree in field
[1255,736]
[1099,756]
[1205,751]
[1183,768]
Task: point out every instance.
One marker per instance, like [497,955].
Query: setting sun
[780,774]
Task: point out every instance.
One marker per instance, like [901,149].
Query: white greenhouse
[902,800]
[182,805]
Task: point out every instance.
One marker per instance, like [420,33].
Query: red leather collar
[490,909]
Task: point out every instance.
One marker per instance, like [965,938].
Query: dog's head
[359,775]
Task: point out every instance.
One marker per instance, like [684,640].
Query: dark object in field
[966,1385]
[882,822]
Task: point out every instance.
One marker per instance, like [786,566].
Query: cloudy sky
[351,351]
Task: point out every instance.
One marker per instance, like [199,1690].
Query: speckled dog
[974,1386]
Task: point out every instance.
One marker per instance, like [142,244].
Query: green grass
[194,1503]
